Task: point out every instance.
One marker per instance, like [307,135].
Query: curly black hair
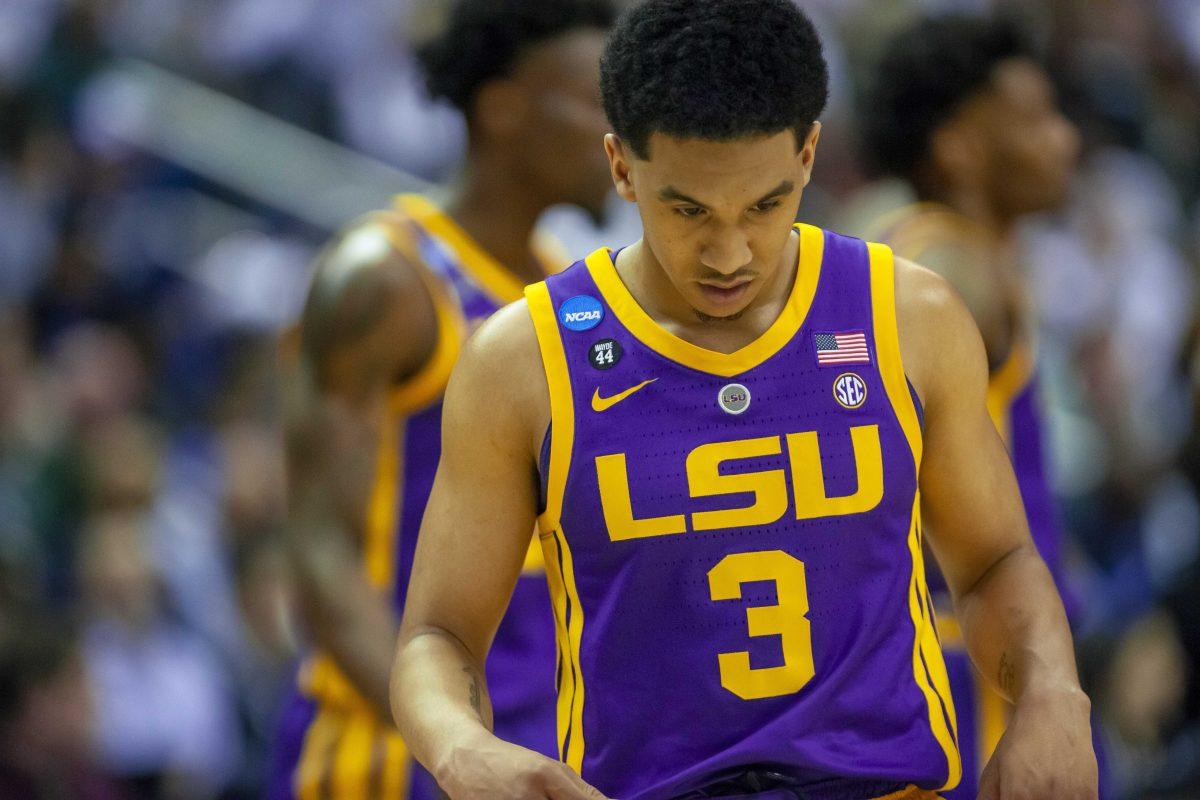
[712,69]
[483,39]
[927,72]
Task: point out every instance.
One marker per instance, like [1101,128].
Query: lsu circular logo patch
[734,398]
[849,390]
[605,354]
[580,313]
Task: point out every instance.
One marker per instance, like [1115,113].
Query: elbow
[320,589]
[416,631]
[1023,554]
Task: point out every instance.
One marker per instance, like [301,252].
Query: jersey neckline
[795,310]
[496,279]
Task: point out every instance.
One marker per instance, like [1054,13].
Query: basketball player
[963,112]
[390,306]
[721,431]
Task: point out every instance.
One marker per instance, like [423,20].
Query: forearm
[1016,630]
[346,617]
[439,695]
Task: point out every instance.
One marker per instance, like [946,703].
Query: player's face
[1032,148]
[717,216]
[562,131]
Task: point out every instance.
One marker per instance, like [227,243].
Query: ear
[500,108]
[808,153]
[620,163]
[953,150]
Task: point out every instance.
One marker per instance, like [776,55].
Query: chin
[726,312]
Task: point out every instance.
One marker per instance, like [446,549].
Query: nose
[1069,139]
[726,250]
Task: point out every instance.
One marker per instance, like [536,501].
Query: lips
[724,296]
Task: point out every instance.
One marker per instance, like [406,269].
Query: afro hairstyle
[712,69]
[925,75]
[484,39]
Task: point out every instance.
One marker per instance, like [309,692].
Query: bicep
[363,326]
[970,501]
[481,513]
[967,267]
[369,320]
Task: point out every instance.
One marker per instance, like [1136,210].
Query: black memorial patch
[604,354]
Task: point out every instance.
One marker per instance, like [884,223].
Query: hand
[488,768]
[1046,752]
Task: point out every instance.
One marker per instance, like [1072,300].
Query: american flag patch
[842,348]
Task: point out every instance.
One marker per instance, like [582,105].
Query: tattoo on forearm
[476,693]
[1008,674]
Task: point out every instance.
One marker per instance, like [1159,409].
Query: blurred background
[168,169]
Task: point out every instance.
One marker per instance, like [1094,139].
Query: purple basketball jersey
[520,667]
[732,541]
[329,737]
[1013,402]
[916,231]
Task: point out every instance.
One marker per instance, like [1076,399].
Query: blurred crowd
[146,631]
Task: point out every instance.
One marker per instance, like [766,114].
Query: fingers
[589,792]
[989,782]
[567,785]
[994,785]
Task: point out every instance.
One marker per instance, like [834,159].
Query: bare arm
[968,265]
[1011,614]
[473,541]
[368,322]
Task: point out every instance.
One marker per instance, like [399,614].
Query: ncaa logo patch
[580,313]
[849,390]
[734,398]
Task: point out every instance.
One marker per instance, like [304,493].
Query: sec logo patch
[849,390]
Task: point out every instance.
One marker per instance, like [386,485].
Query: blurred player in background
[392,300]
[731,419]
[964,113]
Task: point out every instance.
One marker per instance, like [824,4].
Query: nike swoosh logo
[605,403]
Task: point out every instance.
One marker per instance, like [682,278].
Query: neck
[500,218]
[657,295]
[975,206]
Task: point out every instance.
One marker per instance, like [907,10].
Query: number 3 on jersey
[786,619]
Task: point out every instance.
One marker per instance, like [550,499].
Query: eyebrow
[671,194]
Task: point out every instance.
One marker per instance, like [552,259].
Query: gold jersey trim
[912,231]
[320,676]
[502,285]
[926,651]
[560,570]
[351,755]
[991,709]
[662,341]
[1006,383]
[562,404]
[429,382]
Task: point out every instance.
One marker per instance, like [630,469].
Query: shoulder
[368,295]
[921,290]
[500,371]
[364,266]
[508,335]
[939,340]
[963,252]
